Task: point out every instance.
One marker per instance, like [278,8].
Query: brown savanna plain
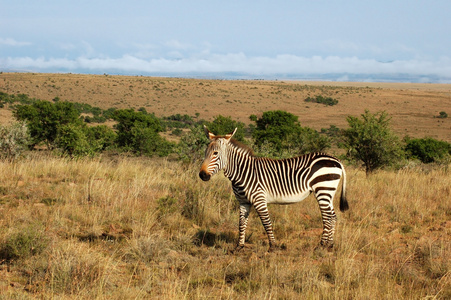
[118,227]
[413,107]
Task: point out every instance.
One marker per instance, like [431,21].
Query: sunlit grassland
[120,228]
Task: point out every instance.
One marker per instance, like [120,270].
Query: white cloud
[13,42]
[175,44]
[66,46]
[239,63]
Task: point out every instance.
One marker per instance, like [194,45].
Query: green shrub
[277,128]
[138,132]
[192,145]
[44,118]
[371,141]
[178,121]
[145,141]
[427,150]
[442,115]
[334,133]
[20,98]
[127,119]
[323,100]
[225,125]
[72,140]
[177,132]
[103,135]
[279,133]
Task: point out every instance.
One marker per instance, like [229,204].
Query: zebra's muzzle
[204,176]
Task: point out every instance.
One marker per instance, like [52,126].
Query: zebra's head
[215,155]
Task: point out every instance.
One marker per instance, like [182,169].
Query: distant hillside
[413,107]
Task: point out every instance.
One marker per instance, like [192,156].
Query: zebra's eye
[215,153]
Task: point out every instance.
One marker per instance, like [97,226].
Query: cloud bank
[239,65]
[13,43]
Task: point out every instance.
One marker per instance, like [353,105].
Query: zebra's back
[291,180]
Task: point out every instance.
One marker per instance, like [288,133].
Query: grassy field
[119,227]
[413,107]
[133,228]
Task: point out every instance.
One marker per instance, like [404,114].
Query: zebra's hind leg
[328,216]
[329,221]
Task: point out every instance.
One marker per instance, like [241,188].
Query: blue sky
[395,40]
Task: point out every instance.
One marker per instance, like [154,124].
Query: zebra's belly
[286,199]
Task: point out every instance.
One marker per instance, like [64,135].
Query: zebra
[259,181]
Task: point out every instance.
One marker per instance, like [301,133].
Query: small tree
[127,119]
[224,125]
[371,141]
[72,140]
[139,132]
[81,140]
[282,134]
[44,119]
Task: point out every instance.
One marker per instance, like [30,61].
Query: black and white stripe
[258,181]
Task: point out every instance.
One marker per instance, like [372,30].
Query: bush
[177,132]
[334,133]
[139,132]
[103,135]
[178,121]
[278,133]
[44,119]
[72,140]
[128,119]
[427,150]
[14,139]
[371,141]
[225,125]
[323,100]
[145,141]
[277,128]
[192,145]
[109,113]
[442,115]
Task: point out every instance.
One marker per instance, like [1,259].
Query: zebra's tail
[343,202]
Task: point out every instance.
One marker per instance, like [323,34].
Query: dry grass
[127,228]
[412,106]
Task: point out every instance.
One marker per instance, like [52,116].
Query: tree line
[75,130]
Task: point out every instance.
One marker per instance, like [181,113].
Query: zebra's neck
[239,161]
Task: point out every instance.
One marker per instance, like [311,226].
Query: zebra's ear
[229,136]
[209,135]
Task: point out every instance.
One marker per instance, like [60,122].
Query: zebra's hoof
[237,249]
[326,245]
[275,247]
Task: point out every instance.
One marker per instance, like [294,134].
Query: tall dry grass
[127,228]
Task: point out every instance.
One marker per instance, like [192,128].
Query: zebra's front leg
[262,209]
[244,216]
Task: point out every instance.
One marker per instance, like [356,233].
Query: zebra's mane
[244,148]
